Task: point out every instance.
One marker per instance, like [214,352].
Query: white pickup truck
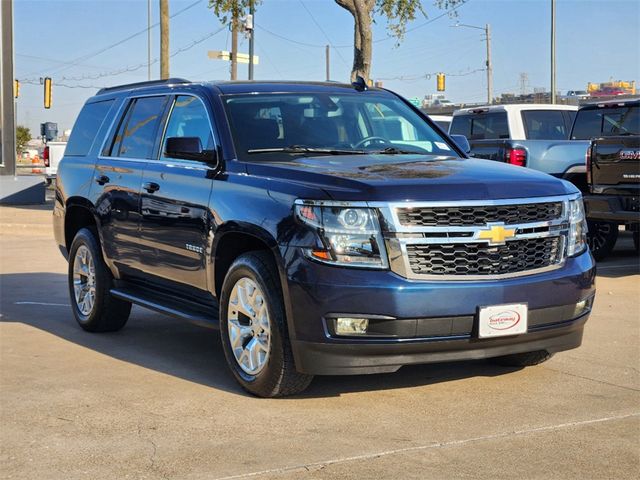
[52,154]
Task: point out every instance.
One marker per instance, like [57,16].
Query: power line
[323,32]
[78,60]
[314,45]
[427,76]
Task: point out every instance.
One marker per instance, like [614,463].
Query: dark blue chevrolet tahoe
[326,228]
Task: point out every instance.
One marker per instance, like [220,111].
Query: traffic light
[16,88]
[440,82]
[47,92]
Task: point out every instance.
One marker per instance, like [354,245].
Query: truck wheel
[95,309]
[602,237]
[527,359]
[253,329]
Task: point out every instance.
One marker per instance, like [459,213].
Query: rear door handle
[151,187]
[102,179]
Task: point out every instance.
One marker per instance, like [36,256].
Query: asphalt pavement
[155,401]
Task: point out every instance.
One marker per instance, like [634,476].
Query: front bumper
[427,321]
[609,208]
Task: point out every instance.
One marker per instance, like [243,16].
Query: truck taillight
[587,161]
[516,156]
[45,156]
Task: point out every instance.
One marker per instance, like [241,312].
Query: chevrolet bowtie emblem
[497,234]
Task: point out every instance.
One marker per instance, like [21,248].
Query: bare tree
[397,12]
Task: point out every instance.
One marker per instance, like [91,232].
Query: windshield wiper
[303,149]
[397,151]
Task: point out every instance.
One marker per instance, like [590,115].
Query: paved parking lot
[155,400]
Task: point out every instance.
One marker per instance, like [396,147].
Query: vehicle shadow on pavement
[623,261]
[187,351]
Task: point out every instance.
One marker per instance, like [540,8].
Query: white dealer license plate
[502,320]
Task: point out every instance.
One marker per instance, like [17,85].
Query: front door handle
[102,179]
[151,187]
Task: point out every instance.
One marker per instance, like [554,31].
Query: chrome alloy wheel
[84,280]
[248,325]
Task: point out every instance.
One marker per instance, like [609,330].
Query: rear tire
[601,237]
[90,281]
[527,359]
[257,351]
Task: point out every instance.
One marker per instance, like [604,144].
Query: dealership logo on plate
[504,320]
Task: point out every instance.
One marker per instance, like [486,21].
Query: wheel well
[76,218]
[231,246]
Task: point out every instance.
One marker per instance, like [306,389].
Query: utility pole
[252,30]
[489,65]
[235,21]
[164,39]
[148,39]
[327,59]
[553,51]
[7,113]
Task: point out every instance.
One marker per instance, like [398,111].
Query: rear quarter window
[482,126]
[86,128]
[545,125]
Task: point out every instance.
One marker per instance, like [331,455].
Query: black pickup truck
[613,173]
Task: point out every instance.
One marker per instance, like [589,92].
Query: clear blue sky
[596,40]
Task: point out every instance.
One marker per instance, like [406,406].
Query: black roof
[613,102]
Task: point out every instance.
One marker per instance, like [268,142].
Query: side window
[86,128]
[544,125]
[189,119]
[137,133]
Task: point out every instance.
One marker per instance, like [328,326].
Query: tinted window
[341,121]
[544,125]
[592,123]
[137,133]
[86,127]
[189,119]
[482,126]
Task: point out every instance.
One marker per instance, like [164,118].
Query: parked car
[608,92]
[52,154]
[613,170]
[324,228]
[443,121]
[527,135]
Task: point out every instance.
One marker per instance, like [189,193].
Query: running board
[186,310]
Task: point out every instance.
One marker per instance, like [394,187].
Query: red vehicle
[608,92]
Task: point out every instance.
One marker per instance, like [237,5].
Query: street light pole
[553,51]
[487,33]
[489,65]
[149,39]
[251,37]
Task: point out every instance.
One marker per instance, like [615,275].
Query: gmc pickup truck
[527,135]
[325,228]
[613,171]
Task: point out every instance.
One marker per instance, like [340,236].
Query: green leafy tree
[397,12]
[23,135]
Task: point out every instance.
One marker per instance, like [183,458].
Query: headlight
[351,235]
[577,240]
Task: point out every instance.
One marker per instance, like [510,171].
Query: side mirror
[188,148]
[462,142]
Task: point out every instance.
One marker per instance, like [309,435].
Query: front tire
[601,237]
[90,281]
[253,329]
[526,359]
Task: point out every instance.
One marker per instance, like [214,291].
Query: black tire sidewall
[610,240]
[87,238]
[264,383]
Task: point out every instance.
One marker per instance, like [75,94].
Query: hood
[412,178]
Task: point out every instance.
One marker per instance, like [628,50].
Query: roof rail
[149,83]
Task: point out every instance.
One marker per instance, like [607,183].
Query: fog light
[582,307]
[351,326]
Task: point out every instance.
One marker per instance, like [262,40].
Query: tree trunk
[362,11]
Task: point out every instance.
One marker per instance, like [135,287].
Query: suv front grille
[482,259]
[479,215]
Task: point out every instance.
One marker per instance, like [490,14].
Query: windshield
[606,122]
[266,125]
